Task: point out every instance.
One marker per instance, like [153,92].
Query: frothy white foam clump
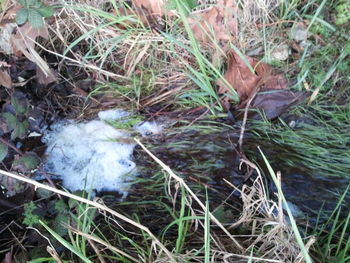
[93,155]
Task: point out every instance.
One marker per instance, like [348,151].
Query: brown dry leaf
[43,78]
[152,7]
[218,23]
[142,16]
[275,102]
[23,42]
[244,81]
[5,79]
[7,258]
[25,38]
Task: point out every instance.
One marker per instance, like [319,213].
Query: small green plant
[30,217]
[15,120]
[16,117]
[342,15]
[33,11]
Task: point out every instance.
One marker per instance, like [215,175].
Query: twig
[240,141]
[4,141]
[97,251]
[251,98]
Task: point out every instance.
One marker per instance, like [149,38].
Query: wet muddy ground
[204,155]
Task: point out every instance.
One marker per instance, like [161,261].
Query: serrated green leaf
[11,120]
[38,5]
[23,2]
[46,11]
[22,16]
[20,105]
[27,162]
[31,2]
[35,18]
[61,206]
[21,130]
[59,223]
[3,151]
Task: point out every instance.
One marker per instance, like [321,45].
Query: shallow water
[212,157]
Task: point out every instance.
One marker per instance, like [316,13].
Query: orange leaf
[5,79]
[244,81]
[153,7]
[218,23]
[25,38]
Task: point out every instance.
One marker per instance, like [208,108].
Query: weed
[30,217]
[333,240]
[343,12]
[33,11]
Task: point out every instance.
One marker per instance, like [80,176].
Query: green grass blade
[65,243]
[290,215]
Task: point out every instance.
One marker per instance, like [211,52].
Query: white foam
[93,155]
[148,128]
[112,115]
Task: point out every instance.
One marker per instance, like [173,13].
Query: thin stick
[97,251]
[11,146]
[94,204]
[241,136]
[182,182]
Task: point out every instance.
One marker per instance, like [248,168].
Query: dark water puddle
[314,193]
[213,156]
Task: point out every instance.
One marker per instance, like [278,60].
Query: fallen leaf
[25,38]
[217,23]
[273,103]
[5,36]
[245,75]
[152,7]
[5,79]
[144,18]
[44,78]
[24,43]
[7,258]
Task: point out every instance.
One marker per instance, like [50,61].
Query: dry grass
[117,48]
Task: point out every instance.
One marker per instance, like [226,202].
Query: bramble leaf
[3,151]
[21,130]
[20,104]
[31,2]
[22,16]
[10,119]
[27,162]
[46,11]
[35,18]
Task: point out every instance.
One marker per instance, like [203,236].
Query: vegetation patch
[253,97]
